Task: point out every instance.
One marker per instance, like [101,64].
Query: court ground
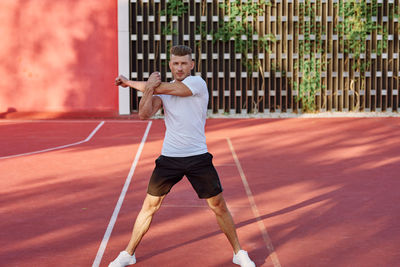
[303,192]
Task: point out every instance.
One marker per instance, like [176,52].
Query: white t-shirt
[185,119]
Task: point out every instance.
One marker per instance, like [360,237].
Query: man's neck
[180,80]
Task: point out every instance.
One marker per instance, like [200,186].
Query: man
[184,151]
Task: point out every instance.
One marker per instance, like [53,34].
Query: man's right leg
[166,174]
[150,205]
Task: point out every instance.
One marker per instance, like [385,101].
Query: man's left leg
[224,219]
[225,222]
[204,178]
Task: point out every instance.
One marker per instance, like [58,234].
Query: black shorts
[198,169]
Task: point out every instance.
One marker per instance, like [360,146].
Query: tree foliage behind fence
[276,56]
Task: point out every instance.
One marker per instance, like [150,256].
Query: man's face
[181,66]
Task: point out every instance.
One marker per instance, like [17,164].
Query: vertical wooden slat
[396,81]
[226,70]
[151,22]
[397,61]
[335,61]
[260,94]
[385,72]
[325,48]
[375,62]
[222,86]
[346,69]
[133,47]
[329,58]
[280,61]
[273,61]
[289,49]
[389,83]
[252,89]
[267,65]
[282,19]
[368,74]
[296,32]
[379,66]
[341,69]
[318,21]
[139,43]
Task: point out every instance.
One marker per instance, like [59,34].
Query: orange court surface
[303,192]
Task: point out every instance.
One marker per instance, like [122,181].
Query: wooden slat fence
[273,85]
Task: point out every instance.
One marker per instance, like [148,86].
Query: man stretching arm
[184,151]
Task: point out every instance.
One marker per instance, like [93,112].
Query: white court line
[70,121]
[58,147]
[267,239]
[117,208]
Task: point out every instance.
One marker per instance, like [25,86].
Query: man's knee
[152,204]
[217,204]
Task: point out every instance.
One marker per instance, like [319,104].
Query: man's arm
[176,88]
[150,104]
[121,80]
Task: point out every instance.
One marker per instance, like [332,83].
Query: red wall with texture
[58,56]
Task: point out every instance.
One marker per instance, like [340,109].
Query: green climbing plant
[202,31]
[173,8]
[396,15]
[356,24]
[237,27]
[310,60]
[248,41]
[310,83]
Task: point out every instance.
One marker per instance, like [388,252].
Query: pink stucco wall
[58,55]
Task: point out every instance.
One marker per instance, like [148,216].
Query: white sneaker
[123,260]
[242,258]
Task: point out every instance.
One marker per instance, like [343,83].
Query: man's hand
[154,80]
[121,80]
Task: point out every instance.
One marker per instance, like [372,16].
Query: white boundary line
[58,147]
[267,239]
[71,121]
[117,208]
